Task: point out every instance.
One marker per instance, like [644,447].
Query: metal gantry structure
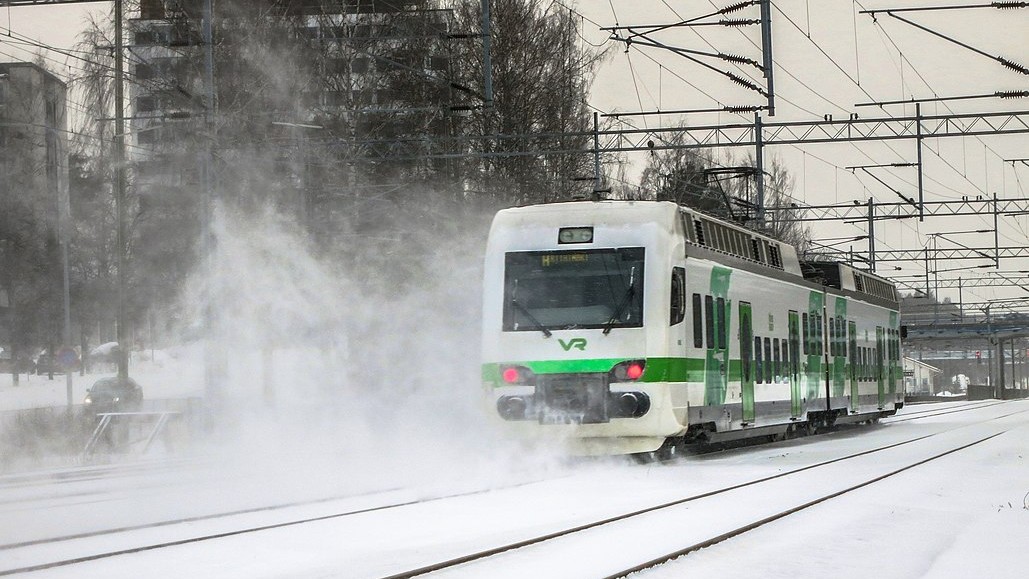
[757,134]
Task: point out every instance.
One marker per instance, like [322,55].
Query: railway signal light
[978,357]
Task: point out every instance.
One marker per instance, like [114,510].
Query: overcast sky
[828,57]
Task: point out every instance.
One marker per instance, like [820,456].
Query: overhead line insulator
[736,7]
[741,109]
[738,59]
[1012,94]
[739,22]
[1006,5]
[1013,65]
[745,83]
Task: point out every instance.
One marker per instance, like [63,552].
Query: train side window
[709,319]
[878,353]
[698,323]
[758,366]
[785,368]
[745,353]
[804,329]
[840,339]
[811,335]
[819,333]
[832,337]
[778,359]
[794,345]
[852,346]
[723,331]
[768,360]
[842,325]
[678,305]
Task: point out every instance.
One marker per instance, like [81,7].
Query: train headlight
[517,375]
[629,371]
[512,407]
[629,404]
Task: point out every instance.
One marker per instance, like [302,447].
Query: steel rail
[770,519]
[587,526]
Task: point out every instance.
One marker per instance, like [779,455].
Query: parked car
[46,363]
[114,395]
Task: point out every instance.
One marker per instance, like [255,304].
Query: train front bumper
[590,417]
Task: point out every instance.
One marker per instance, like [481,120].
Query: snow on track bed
[73,549]
[750,505]
[714,495]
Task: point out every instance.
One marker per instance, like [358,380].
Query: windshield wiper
[532,318]
[629,293]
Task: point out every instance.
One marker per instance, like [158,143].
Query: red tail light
[634,371]
[517,375]
[628,371]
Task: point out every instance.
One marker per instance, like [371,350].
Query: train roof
[721,237]
[847,277]
[701,230]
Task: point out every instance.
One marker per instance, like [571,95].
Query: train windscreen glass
[558,290]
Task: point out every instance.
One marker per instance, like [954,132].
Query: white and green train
[632,326]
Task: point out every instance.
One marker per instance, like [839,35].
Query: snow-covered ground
[161,375]
[966,514]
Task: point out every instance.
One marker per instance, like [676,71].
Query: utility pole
[213,373]
[759,174]
[119,192]
[871,234]
[1000,369]
[487,64]
[918,141]
[63,223]
[766,53]
[596,157]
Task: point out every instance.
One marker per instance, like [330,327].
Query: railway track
[499,561]
[76,549]
[930,412]
[390,502]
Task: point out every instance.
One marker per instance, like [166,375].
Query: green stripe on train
[657,369]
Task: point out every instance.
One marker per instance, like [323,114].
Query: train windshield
[559,290]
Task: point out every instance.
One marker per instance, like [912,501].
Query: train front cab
[576,333]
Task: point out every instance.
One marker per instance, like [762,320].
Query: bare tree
[726,187]
[541,78]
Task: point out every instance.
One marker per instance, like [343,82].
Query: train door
[746,361]
[853,374]
[796,406]
[894,356]
[813,343]
[879,366]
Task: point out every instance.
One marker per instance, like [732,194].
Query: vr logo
[577,343]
